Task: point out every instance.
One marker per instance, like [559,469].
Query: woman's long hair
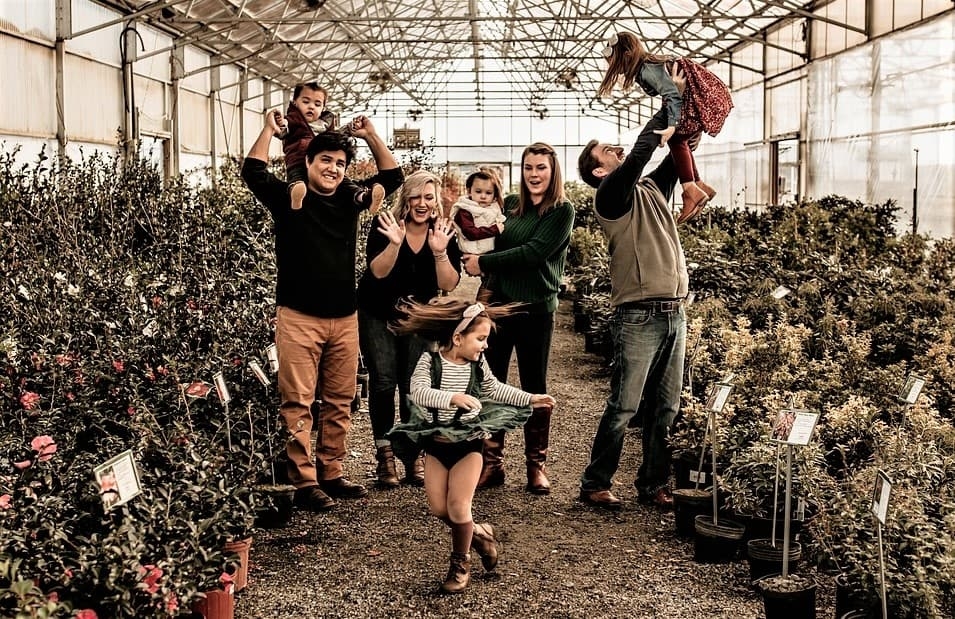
[555,190]
[628,55]
[437,320]
[414,185]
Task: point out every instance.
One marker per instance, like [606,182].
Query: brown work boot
[341,488]
[386,471]
[459,573]
[484,543]
[414,471]
[604,499]
[377,197]
[694,199]
[493,472]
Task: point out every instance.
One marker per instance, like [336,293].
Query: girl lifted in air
[455,401]
[703,106]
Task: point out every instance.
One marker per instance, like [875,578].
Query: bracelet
[441,257]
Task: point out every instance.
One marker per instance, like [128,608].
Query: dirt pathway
[383,556]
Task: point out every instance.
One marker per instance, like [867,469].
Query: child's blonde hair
[414,185]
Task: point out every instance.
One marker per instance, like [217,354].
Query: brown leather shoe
[662,498]
[709,191]
[313,499]
[341,488]
[694,199]
[603,499]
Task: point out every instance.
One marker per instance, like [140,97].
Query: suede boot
[536,441]
[386,471]
[493,472]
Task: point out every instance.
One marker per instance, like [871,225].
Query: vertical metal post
[915,196]
[788,508]
[177,61]
[64,30]
[885,606]
[775,497]
[214,98]
[716,507]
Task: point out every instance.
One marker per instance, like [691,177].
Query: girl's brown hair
[627,56]
[487,174]
[555,190]
[437,320]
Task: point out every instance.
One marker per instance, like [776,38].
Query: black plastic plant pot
[716,542]
[687,505]
[765,558]
[857,614]
[849,597]
[759,527]
[789,597]
[686,471]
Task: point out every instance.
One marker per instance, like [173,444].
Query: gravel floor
[383,556]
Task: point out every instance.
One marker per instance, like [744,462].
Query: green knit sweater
[527,263]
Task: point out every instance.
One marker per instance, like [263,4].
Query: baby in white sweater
[479,217]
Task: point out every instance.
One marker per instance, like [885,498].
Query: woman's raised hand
[440,235]
[393,230]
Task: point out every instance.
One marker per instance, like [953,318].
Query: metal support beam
[177,60]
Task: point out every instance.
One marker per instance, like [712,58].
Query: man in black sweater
[316,327]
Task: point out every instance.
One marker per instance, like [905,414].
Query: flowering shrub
[119,292]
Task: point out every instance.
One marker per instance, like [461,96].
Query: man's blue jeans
[649,350]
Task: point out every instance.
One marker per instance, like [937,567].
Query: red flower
[157,301]
[70,396]
[227,581]
[29,400]
[162,371]
[5,500]
[53,597]
[68,573]
[22,464]
[131,411]
[118,366]
[63,359]
[172,604]
[86,613]
[151,578]
[44,446]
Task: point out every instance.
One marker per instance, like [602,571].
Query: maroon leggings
[683,158]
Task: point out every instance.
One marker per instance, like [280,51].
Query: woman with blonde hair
[527,266]
[409,256]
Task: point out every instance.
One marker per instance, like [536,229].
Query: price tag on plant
[719,394]
[118,480]
[221,388]
[272,354]
[911,389]
[259,372]
[780,292]
[795,427]
[880,496]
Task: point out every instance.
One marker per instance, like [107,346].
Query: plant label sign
[719,394]
[272,354]
[259,372]
[911,389]
[780,292]
[794,427]
[880,496]
[118,480]
[224,396]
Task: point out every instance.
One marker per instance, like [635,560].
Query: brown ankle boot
[414,471]
[536,440]
[484,543]
[386,471]
[459,573]
[694,199]
[709,191]
[493,472]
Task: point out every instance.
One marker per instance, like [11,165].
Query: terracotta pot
[218,604]
[241,548]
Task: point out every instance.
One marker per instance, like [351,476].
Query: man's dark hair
[328,141]
[587,163]
[310,86]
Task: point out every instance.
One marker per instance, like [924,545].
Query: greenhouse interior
[145,368]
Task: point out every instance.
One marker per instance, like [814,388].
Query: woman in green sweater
[527,266]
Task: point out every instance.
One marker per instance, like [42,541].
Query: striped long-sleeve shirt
[455,379]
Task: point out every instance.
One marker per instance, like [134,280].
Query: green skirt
[494,417]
